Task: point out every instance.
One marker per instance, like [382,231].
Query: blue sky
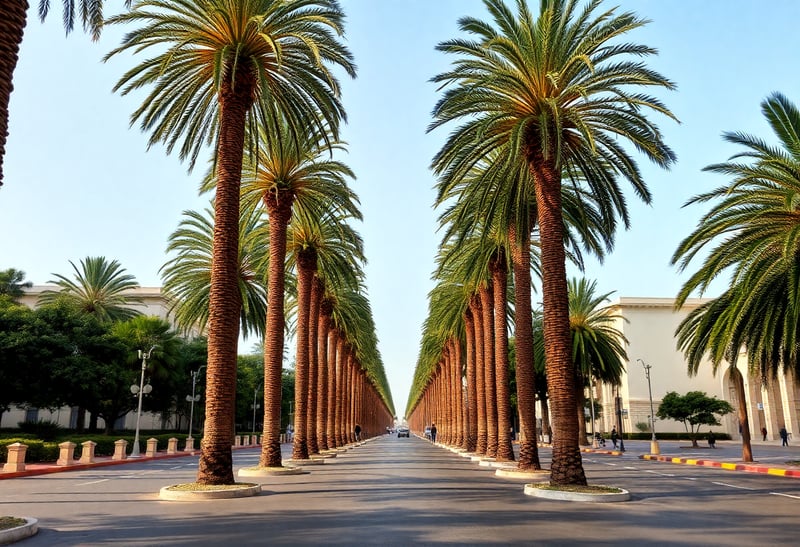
[80,182]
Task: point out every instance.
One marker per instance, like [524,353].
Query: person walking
[712,440]
[433,432]
[784,436]
[357,431]
[614,436]
[763,433]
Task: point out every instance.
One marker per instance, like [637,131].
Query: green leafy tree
[16,353]
[100,288]
[693,410]
[571,91]
[221,66]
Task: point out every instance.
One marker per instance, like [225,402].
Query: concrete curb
[730,466]
[531,490]
[30,528]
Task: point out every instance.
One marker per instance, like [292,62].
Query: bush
[43,429]
[38,451]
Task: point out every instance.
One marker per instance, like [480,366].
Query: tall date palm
[557,91]
[219,67]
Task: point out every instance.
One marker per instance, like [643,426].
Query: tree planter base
[565,495]
[529,475]
[270,471]
[184,492]
[31,527]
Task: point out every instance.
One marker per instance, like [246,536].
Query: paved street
[409,492]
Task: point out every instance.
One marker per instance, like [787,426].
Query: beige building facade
[649,326]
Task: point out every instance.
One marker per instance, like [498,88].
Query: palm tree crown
[100,287]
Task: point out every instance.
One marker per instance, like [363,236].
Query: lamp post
[193,398]
[591,399]
[653,442]
[255,407]
[140,390]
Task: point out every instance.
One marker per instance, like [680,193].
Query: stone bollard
[254,440]
[172,445]
[237,440]
[65,454]
[16,457]
[152,447]
[245,440]
[87,454]
[120,450]
[283,438]
[189,444]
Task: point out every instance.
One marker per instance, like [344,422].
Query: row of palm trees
[529,179]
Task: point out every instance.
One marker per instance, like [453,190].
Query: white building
[649,326]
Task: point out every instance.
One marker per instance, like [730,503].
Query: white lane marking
[91,482]
[732,485]
[785,495]
[658,473]
[176,467]
[630,467]
[690,478]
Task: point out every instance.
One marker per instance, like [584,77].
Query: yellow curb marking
[731,466]
[780,472]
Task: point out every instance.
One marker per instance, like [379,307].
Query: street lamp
[653,442]
[193,398]
[256,406]
[140,390]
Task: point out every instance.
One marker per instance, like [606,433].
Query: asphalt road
[408,492]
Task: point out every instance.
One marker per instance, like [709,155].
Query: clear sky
[80,182]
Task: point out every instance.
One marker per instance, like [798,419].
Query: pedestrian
[433,432]
[712,440]
[784,436]
[358,432]
[289,433]
[763,433]
[614,436]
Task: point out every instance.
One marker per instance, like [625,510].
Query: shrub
[43,429]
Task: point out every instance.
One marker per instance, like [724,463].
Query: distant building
[649,327]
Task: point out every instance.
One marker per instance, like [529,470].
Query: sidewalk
[770,458]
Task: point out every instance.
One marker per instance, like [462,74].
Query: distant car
[403,432]
[427,432]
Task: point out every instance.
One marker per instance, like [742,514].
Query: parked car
[402,432]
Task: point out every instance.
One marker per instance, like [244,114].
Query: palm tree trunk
[216,459]
[744,421]
[480,375]
[306,265]
[566,466]
[490,385]
[505,451]
[12,27]
[523,339]
[312,419]
[330,427]
[279,209]
[472,394]
[323,325]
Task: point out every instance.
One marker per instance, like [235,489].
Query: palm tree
[221,66]
[753,224]
[12,283]
[187,276]
[12,25]
[291,175]
[554,92]
[598,348]
[100,288]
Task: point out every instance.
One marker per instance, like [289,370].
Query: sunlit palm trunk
[566,466]
[458,394]
[313,366]
[338,422]
[306,265]
[472,393]
[523,340]
[333,441]
[480,375]
[741,396]
[12,27]
[279,209]
[322,377]
[216,459]
[505,452]
[490,382]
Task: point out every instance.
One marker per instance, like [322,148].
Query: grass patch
[7,523]
[590,489]
[197,487]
